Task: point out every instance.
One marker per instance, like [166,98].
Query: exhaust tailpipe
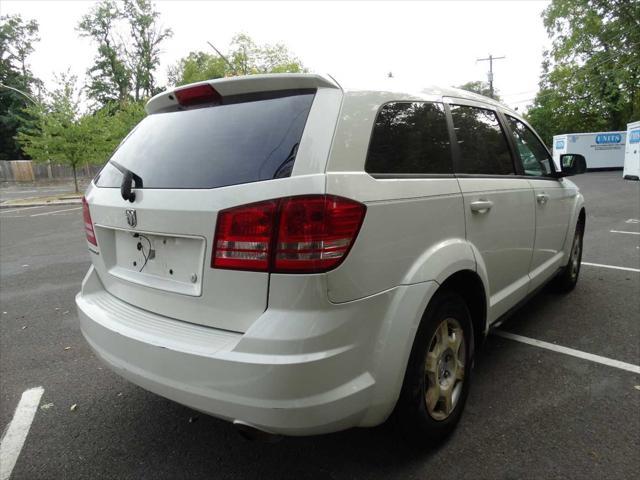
[253,434]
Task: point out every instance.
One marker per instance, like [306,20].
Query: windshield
[209,147]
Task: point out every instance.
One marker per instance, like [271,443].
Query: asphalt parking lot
[532,412]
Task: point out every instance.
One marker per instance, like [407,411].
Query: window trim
[456,148]
[390,176]
[552,164]
[409,176]
[515,154]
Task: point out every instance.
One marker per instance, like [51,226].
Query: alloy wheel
[445,369]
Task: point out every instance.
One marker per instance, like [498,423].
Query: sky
[435,43]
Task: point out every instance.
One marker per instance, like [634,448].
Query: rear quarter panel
[414,229]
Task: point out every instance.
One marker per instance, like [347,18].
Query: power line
[24,94]
[490,58]
[587,66]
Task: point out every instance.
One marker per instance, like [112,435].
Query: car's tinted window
[410,137]
[535,157]
[214,146]
[483,145]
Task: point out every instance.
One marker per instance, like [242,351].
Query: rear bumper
[274,384]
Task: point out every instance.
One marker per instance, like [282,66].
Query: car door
[499,211]
[554,199]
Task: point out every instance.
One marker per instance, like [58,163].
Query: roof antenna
[335,81]
[233,70]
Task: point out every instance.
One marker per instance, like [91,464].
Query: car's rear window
[209,147]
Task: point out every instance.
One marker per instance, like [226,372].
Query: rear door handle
[542,198]
[481,206]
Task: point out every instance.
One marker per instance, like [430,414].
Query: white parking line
[622,231]
[15,435]
[20,209]
[570,351]
[614,267]
[55,211]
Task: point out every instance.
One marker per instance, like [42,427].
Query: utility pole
[490,58]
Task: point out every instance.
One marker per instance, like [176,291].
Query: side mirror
[572,164]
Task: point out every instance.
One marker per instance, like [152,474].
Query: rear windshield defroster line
[229,144]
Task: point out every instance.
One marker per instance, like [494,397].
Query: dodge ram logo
[131,217]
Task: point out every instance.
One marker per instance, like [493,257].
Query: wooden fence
[28,171]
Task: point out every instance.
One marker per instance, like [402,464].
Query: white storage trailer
[603,150]
[632,152]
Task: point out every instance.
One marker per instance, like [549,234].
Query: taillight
[315,232]
[243,237]
[197,95]
[88,224]
[305,234]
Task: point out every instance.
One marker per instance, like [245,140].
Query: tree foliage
[146,36]
[123,70]
[244,57]
[17,39]
[57,132]
[481,88]
[197,66]
[61,134]
[109,77]
[591,75]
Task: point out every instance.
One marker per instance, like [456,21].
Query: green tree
[123,69]
[144,54]
[109,77]
[481,88]
[196,67]
[591,75]
[108,126]
[57,132]
[17,38]
[244,57]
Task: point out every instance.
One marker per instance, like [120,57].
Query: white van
[601,150]
[299,258]
[632,152]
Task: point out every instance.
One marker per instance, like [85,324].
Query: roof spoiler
[245,84]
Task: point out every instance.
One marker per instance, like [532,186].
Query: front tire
[568,276]
[438,374]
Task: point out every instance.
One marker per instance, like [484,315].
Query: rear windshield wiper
[284,170]
[127,177]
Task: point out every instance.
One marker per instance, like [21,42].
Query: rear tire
[436,382]
[568,276]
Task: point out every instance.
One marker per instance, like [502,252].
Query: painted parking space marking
[55,211]
[12,210]
[569,351]
[622,231]
[614,267]
[15,435]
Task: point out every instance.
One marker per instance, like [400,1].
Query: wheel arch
[469,285]
[582,217]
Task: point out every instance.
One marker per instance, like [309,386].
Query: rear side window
[229,144]
[410,137]
[483,145]
[535,157]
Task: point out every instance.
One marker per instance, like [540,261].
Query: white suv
[299,258]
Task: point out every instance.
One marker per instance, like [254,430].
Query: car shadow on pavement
[151,437]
